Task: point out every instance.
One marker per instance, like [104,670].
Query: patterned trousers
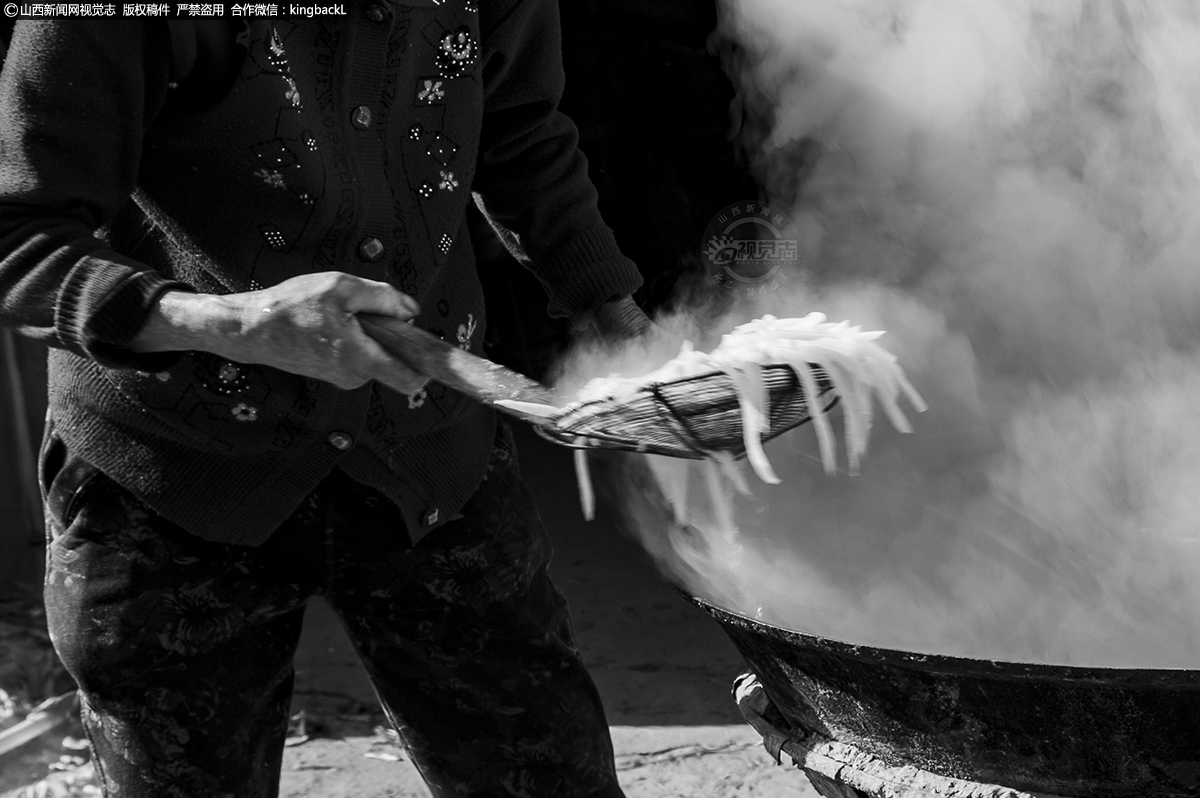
[183,648]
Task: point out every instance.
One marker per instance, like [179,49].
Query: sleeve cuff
[118,303]
[587,272]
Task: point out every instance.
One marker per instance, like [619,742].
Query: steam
[1011,189]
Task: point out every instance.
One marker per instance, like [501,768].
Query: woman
[192,214]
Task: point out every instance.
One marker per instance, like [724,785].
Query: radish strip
[672,474]
[752,393]
[731,472]
[854,419]
[825,443]
[587,497]
[722,503]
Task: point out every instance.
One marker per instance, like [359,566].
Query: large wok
[1070,731]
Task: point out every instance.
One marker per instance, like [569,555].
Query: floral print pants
[183,648]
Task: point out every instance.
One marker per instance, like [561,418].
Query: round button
[340,440]
[430,517]
[370,249]
[376,14]
[361,117]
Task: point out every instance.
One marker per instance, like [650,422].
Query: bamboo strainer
[688,417]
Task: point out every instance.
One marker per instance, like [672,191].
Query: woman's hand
[621,320]
[305,325]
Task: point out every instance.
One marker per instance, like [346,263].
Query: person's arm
[532,181]
[306,325]
[76,98]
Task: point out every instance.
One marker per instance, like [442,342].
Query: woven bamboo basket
[688,417]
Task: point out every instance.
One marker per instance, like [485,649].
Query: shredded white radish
[587,496]
[722,502]
[859,369]
[672,475]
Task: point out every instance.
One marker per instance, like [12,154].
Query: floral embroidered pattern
[293,93]
[457,53]
[244,412]
[431,91]
[449,183]
[197,618]
[466,332]
[271,178]
[275,50]
[221,376]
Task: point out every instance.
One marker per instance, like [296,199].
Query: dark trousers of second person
[183,648]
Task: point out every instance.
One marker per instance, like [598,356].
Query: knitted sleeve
[75,99]
[532,180]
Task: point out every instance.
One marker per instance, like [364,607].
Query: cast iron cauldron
[1080,732]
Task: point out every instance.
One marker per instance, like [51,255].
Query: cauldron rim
[1174,678]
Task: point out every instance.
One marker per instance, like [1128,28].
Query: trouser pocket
[66,482]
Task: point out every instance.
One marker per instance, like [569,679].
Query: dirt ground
[664,669]
[662,665]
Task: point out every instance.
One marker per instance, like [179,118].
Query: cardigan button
[370,249]
[430,517]
[377,13]
[360,117]
[340,440]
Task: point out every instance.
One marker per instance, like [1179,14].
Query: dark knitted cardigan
[139,157]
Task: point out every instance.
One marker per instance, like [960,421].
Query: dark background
[646,88]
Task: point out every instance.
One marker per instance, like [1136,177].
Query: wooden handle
[457,368]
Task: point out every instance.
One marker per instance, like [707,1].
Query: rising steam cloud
[1011,189]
